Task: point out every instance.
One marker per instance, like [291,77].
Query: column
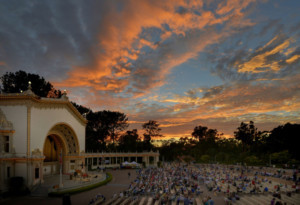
[147,161]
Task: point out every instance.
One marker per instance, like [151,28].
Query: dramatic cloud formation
[182,63]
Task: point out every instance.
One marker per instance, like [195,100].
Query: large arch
[52,147]
[68,137]
[61,143]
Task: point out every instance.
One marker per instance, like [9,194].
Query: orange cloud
[235,103]
[232,6]
[293,59]
[259,62]
[120,43]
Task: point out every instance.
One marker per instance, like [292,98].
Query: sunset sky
[182,63]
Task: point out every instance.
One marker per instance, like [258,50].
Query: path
[119,183]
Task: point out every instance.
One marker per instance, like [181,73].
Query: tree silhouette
[115,123]
[129,141]
[246,133]
[18,82]
[199,132]
[151,130]
[102,126]
[285,137]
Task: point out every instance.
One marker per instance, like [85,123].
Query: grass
[82,189]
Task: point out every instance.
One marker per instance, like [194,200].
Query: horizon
[180,63]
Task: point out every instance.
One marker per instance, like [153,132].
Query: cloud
[264,58]
[213,91]
[223,107]
[127,55]
[273,23]
[112,46]
[276,56]
[292,59]
[119,55]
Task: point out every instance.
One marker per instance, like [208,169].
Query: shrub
[252,160]
[280,157]
[205,158]
[17,186]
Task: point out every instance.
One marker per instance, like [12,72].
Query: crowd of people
[177,183]
[173,182]
[99,198]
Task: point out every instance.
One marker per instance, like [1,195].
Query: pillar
[146,160]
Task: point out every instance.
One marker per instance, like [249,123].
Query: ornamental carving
[69,138]
[36,152]
[4,124]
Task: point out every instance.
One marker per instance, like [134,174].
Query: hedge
[82,189]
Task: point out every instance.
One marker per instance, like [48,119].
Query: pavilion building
[40,135]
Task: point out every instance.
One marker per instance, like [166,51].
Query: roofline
[36,99]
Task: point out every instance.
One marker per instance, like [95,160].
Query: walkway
[119,183]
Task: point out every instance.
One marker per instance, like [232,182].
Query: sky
[213,63]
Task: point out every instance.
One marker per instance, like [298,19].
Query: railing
[79,184]
[121,154]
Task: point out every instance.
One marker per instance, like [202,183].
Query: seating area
[262,199]
[207,184]
[266,199]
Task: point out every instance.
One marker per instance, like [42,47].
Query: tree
[115,122]
[280,157]
[246,133]
[18,82]
[83,110]
[151,130]
[199,132]
[95,132]
[129,141]
[285,137]
[105,125]
[94,135]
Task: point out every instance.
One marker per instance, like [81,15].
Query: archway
[60,149]
[52,148]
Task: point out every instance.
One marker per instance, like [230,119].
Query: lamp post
[29,85]
[60,174]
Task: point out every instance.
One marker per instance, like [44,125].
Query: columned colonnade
[114,159]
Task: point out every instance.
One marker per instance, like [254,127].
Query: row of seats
[258,199]
[263,199]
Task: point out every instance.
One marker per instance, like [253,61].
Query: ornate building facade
[37,135]
[40,135]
